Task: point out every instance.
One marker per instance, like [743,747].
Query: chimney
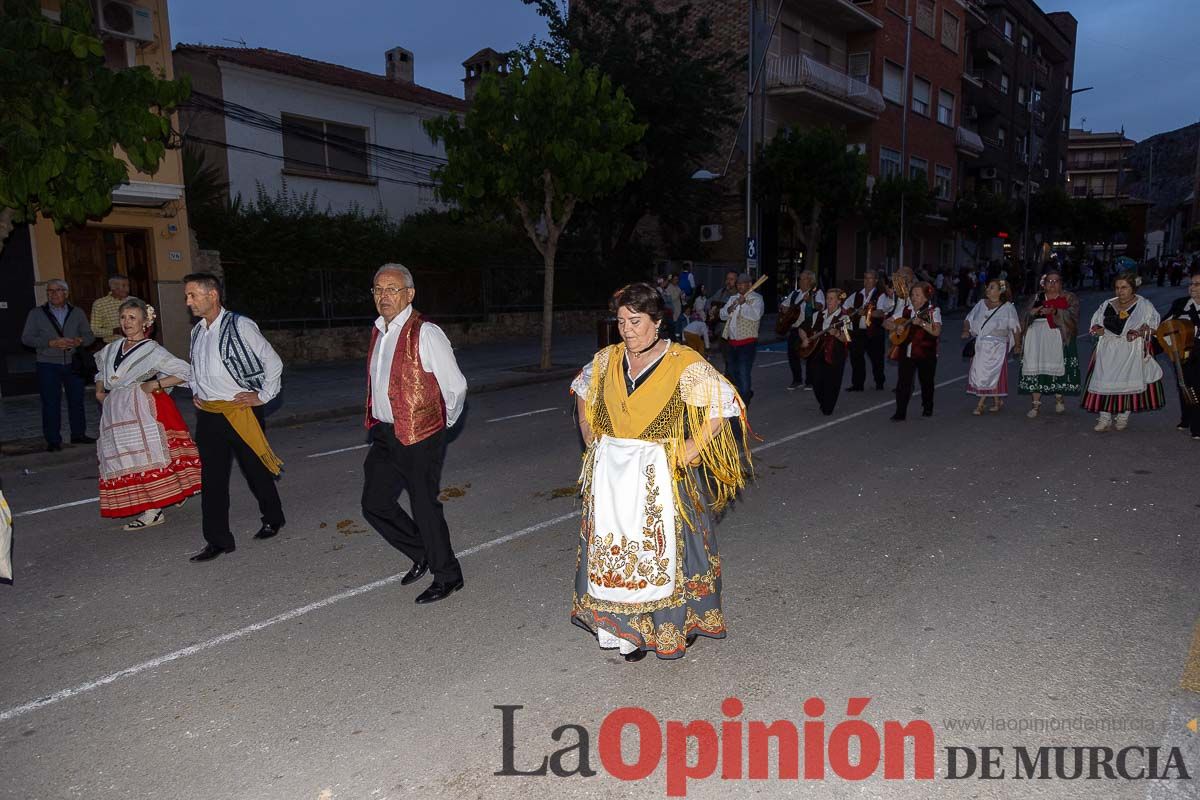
[399,65]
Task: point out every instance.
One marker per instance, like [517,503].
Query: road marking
[33,511]
[772,364]
[524,414]
[339,450]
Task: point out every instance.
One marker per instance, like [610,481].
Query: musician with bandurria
[1187,309]
[917,355]
[869,307]
[662,461]
[1123,376]
[1049,355]
[830,327]
[800,304]
[994,325]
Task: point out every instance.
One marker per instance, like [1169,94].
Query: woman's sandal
[147,519]
[1033,412]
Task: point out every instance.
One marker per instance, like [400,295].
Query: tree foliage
[64,113]
[980,216]
[682,91]
[816,177]
[895,198]
[539,141]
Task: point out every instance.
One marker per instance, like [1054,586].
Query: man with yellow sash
[662,461]
[235,372]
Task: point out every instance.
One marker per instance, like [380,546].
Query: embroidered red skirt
[157,488]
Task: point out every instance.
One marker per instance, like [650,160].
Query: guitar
[788,316]
[902,326]
[839,326]
[1176,337]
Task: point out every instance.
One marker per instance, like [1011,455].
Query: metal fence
[332,297]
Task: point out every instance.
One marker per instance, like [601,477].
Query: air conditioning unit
[710,233]
[988,173]
[126,20]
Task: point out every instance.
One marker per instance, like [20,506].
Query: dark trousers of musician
[862,347]
[219,444]
[794,360]
[391,467]
[923,369]
[827,377]
[739,366]
[1190,415]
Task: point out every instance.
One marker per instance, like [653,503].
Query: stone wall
[315,345]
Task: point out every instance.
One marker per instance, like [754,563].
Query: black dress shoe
[635,656]
[53,447]
[855,389]
[897,418]
[82,440]
[415,574]
[927,412]
[267,531]
[210,552]
[438,591]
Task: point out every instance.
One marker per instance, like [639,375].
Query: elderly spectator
[57,330]
[106,323]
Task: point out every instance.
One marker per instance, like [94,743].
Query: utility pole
[1196,185]
[908,22]
[1028,176]
[750,62]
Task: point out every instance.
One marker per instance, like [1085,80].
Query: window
[945,108]
[1008,29]
[920,99]
[918,168]
[1020,95]
[950,30]
[1062,166]
[1003,83]
[924,21]
[1025,43]
[119,53]
[1066,125]
[1067,82]
[943,178]
[889,162]
[893,82]
[860,67]
[1001,135]
[313,145]
[820,51]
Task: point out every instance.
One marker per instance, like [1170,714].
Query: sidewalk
[325,390]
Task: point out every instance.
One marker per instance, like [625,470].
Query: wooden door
[85,269]
[93,255]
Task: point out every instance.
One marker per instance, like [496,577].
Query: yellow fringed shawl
[673,402]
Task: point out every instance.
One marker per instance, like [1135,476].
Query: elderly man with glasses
[59,331]
[415,391]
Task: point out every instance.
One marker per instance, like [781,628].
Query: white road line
[33,511]
[772,364]
[339,450]
[524,414]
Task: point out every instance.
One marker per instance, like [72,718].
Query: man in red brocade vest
[415,391]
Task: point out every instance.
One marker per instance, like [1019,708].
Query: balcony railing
[804,72]
[969,140]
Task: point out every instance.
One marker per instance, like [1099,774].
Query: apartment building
[1095,163]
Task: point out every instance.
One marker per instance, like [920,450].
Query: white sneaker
[1059,405]
[1122,421]
[1105,422]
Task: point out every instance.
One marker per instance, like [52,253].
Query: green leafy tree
[205,192]
[979,217]
[682,90]
[63,114]
[1049,214]
[817,179]
[539,141]
[894,198]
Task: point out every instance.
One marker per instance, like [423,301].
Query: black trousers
[862,347]
[795,362]
[1190,415]
[827,378]
[923,369]
[219,444]
[390,468]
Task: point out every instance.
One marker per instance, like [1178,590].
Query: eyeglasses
[390,291]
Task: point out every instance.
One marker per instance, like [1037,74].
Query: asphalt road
[998,570]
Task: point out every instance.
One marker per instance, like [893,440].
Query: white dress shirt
[437,356]
[882,303]
[732,313]
[817,299]
[211,380]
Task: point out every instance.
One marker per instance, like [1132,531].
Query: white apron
[1043,351]
[632,555]
[990,360]
[1122,366]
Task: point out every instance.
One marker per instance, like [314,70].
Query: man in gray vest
[235,372]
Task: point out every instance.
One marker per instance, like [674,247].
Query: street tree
[816,178]
[979,217]
[1049,214]
[64,115]
[538,141]
[896,204]
[681,87]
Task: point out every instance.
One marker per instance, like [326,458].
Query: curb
[36,445]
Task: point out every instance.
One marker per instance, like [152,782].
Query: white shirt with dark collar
[437,357]
[211,380]
[882,303]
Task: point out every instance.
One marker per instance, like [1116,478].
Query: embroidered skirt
[1066,384]
[1152,398]
[157,488]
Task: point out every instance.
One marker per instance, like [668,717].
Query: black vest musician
[1188,309]
[827,363]
[869,307]
[918,355]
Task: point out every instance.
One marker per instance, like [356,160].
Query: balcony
[969,142]
[976,14]
[807,80]
[842,16]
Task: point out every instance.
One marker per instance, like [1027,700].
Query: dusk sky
[1143,58]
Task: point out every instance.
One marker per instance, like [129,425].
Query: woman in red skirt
[148,460]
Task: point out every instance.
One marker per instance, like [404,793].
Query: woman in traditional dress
[662,460]
[1050,357]
[994,324]
[147,459]
[1123,376]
